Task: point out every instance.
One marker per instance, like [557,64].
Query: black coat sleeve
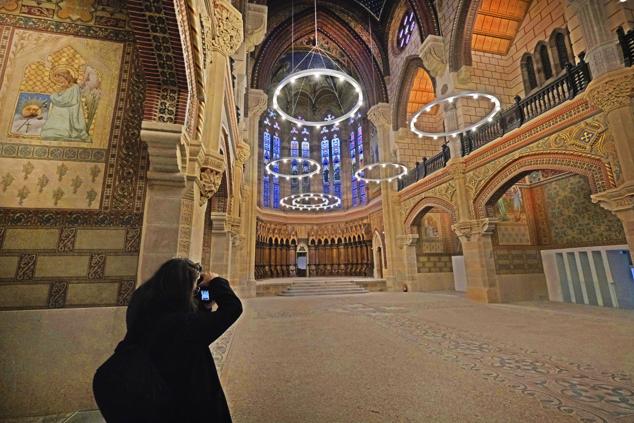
[207,326]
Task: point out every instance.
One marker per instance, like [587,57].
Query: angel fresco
[66,112]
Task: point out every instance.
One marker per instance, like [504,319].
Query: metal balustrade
[626,40]
[426,167]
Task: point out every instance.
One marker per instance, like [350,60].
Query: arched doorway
[551,242]
[302,260]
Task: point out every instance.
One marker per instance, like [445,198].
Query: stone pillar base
[483,295]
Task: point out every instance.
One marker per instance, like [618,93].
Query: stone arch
[591,167]
[406,80]
[424,205]
[462,33]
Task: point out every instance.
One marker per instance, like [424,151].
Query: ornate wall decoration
[126,288]
[612,91]
[411,208]
[87,175]
[582,148]
[209,183]
[224,32]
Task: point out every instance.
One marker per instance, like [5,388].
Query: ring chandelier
[385,165]
[450,99]
[297,201]
[318,73]
[288,177]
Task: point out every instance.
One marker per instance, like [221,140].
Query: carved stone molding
[166,151]
[432,53]
[617,199]
[243,152]
[222,30]
[469,228]
[612,91]
[407,240]
[208,182]
[380,115]
[258,102]
[257,15]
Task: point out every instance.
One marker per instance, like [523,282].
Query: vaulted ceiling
[497,23]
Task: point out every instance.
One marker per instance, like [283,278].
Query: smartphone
[204,295]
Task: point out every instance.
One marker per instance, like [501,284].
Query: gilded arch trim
[425,203]
[592,167]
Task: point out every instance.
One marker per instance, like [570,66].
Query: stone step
[322,287]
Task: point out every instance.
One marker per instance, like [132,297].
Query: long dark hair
[169,290]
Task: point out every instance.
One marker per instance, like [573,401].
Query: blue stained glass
[266,195]
[276,167]
[325,162]
[353,162]
[363,197]
[306,165]
[294,166]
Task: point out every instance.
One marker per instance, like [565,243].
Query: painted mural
[56,110]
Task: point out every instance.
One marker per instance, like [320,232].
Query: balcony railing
[426,167]
[626,40]
[563,88]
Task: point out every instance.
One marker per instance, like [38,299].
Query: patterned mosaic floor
[426,357]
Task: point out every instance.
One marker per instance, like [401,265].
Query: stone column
[164,209]
[221,244]
[620,201]
[380,116]
[257,100]
[603,52]
[407,243]
[477,248]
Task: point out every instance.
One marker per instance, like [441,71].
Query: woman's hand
[207,277]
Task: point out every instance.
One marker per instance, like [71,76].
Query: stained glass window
[266,180]
[405,30]
[306,154]
[353,163]
[325,161]
[276,180]
[294,163]
[363,198]
[336,162]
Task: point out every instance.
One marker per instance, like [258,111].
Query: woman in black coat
[165,320]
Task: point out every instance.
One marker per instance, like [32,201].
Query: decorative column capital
[258,103]
[469,228]
[257,15]
[618,199]
[407,240]
[243,152]
[432,53]
[612,91]
[380,115]
[166,152]
[211,170]
[222,30]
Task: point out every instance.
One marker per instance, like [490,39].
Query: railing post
[446,155]
[424,166]
[416,170]
[585,70]
[570,80]
[518,107]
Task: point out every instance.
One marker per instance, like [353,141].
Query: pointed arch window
[354,185]
[267,153]
[528,73]
[294,163]
[277,147]
[336,161]
[363,199]
[306,154]
[544,59]
[325,161]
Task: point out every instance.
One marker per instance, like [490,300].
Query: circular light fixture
[298,201]
[473,127]
[383,165]
[288,177]
[316,73]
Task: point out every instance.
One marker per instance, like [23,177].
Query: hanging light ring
[328,201]
[317,73]
[450,99]
[384,165]
[287,176]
